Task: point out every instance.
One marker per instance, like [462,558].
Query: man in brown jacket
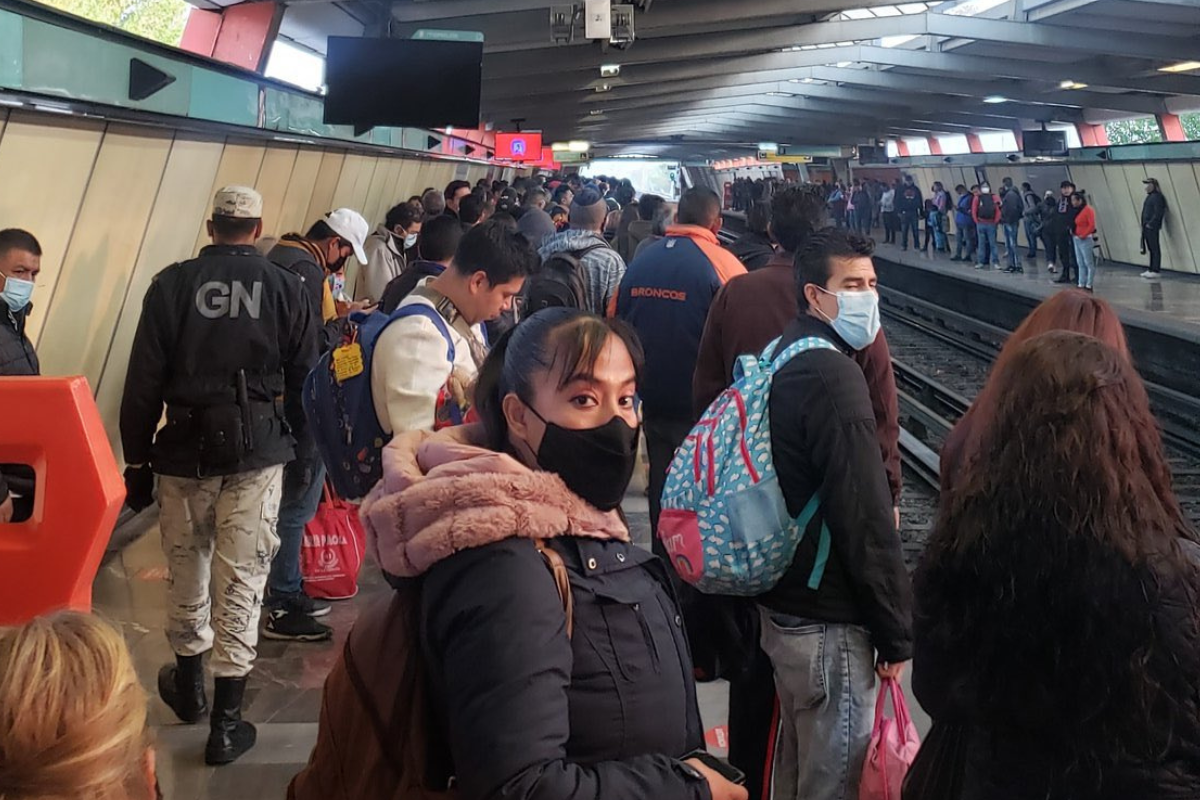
[746,315]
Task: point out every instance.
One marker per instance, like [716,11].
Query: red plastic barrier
[49,562]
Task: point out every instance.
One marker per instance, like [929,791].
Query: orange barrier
[49,562]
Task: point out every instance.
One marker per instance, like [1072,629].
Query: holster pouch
[221,437]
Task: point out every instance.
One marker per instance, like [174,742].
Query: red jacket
[1085,223]
[750,311]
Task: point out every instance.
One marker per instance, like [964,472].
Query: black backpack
[987,207]
[1012,207]
[560,282]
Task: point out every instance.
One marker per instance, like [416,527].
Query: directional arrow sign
[146,80]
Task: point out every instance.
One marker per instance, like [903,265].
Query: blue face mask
[16,293]
[857,321]
[410,241]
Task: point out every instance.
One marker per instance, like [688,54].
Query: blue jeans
[909,222]
[1085,256]
[1011,231]
[825,677]
[989,251]
[1032,237]
[939,231]
[303,481]
[966,242]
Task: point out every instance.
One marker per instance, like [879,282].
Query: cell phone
[719,766]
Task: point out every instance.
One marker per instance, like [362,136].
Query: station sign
[567,157]
[783,154]
[434,34]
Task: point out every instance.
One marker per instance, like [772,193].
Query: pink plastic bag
[892,749]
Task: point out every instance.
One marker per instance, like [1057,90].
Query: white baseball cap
[239,202]
[351,226]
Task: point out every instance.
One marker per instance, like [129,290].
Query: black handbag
[938,771]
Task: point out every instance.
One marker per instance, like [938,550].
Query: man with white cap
[221,337]
[318,258]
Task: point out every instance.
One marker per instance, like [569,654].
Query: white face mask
[857,321]
[16,293]
[410,241]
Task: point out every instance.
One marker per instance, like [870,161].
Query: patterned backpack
[724,521]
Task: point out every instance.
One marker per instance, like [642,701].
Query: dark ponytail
[563,339]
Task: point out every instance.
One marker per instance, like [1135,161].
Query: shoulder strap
[796,348]
[562,581]
[431,314]
[579,254]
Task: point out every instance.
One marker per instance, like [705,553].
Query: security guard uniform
[221,338]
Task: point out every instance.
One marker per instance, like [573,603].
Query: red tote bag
[332,553]
[892,749]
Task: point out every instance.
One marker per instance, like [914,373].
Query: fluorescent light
[1182,66]
[610,70]
[604,87]
[770,147]
[802,80]
[843,64]
[780,94]
[578,147]
[595,112]
[1072,85]
[559,147]
[995,99]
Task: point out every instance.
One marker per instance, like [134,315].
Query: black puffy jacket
[538,716]
[17,356]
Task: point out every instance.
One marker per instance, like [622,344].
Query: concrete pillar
[241,35]
[935,147]
[1092,135]
[1172,128]
[974,143]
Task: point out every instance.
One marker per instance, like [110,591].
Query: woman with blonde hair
[72,713]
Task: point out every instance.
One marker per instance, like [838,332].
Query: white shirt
[409,368]
[887,200]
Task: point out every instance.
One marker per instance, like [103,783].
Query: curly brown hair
[1057,593]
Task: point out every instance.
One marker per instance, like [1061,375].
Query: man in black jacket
[1062,226]
[1154,211]
[843,611]
[910,207]
[221,337]
[20,263]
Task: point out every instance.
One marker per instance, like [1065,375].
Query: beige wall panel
[183,199]
[410,178]
[395,189]
[299,192]
[324,187]
[1180,238]
[240,164]
[273,179]
[46,169]
[343,195]
[1093,178]
[1125,183]
[379,196]
[103,252]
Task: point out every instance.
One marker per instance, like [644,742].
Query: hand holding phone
[725,781]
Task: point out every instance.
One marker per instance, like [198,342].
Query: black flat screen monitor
[1045,143]
[414,83]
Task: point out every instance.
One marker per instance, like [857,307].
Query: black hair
[320,231]
[1083,201]
[497,251]
[452,188]
[960,189]
[648,207]
[504,218]
[403,215]
[533,195]
[564,340]
[561,192]
[1027,186]
[17,239]
[470,208]
[699,206]
[439,238]
[223,227]
[796,212]
[758,218]
[814,259]
[1065,184]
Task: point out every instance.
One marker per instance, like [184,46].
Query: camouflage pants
[219,537]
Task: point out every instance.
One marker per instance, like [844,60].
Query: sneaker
[300,603]
[1051,268]
[980,266]
[955,258]
[289,626]
[1148,274]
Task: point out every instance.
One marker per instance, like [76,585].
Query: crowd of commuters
[530,649]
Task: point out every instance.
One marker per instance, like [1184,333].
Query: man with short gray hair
[221,337]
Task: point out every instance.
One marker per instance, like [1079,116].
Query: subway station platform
[1171,301]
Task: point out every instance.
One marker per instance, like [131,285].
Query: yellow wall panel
[324,187]
[240,164]
[352,167]
[407,182]
[362,187]
[101,256]
[184,198]
[273,179]
[1179,237]
[379,199]
[46,170]
[299,192]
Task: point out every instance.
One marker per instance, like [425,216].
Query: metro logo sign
[519,146]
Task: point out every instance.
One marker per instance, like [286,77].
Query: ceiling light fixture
[610,70]
[1182,66]
[780,94]
[1072,85]
[994,99]
[604,87]
[578,147]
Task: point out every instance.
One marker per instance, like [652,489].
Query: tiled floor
[1174,297]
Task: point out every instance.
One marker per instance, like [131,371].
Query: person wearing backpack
[1012,209]
[584,240]
[531,650]
[414,386]
[985,212]
[1032,216]
[964,224]
[842,612]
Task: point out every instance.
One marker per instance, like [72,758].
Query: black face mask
[595,463]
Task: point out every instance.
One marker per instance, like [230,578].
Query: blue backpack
[724,521]
[341,413]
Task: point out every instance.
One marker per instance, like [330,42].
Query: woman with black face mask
[588,693]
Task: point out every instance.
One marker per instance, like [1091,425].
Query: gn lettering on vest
[216,299]
[658,294]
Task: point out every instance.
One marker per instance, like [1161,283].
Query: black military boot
[182,688]
[229,736]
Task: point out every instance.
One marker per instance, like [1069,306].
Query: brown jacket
[750,311]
